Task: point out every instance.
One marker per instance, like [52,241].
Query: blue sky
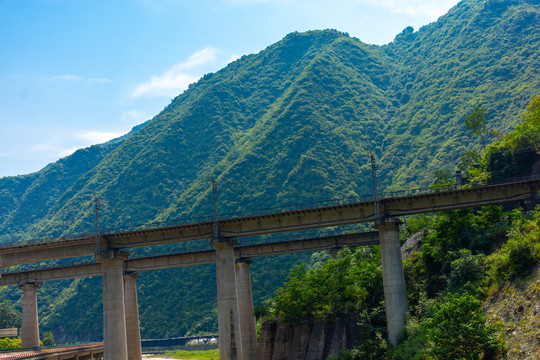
[80,72]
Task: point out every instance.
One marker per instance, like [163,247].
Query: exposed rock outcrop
[306,341]
[515,308]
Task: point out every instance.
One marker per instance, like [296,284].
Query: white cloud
[79,79]
[198,58]
[177,78]
[67,152]
[134,116]
[233,57]
[68,144]
[98,137]
[168,85]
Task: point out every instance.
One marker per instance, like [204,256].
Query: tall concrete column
[395,292]
[133,331]
[227,300]
[114,316]
[30,325]
[248,330]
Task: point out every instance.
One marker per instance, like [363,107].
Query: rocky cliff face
[306,341]
[515,308]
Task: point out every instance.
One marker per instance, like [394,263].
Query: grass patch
[195,354]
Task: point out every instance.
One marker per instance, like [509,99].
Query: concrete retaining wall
[306,341]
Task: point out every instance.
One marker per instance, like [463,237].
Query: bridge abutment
[114,317]
[133,331]
[30,324]
[248,330]
[230,347]
[395,292]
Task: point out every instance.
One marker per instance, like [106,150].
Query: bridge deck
[282,221]
[190,258]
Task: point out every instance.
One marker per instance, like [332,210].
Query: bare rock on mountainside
[515,308]
[413,243]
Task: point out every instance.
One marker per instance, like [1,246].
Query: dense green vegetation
[514,154]
[348,284]
[9,316]
[195,354]
[8,343]
[464,256]
[291,124]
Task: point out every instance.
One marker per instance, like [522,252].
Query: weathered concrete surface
[395,292]
[23,254]
[191,258]
[307,341]
[114,316]
[248,329]
[230,347]
[30,324]
[133,331]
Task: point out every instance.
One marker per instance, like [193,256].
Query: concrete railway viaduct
[235,304]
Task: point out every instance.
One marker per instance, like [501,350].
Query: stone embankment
[306,341]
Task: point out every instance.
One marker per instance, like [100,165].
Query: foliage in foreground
[520,253]
[9,316]
[456,330]
[8,343]
[515,153]
[195,354]
[350,283]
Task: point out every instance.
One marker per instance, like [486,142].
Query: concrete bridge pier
[133,331]
[230,347]
[395,292]
[248,330]
[30,324]
[114,316]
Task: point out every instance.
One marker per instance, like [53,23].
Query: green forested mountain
[291,124]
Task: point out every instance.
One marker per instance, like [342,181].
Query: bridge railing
[270,210]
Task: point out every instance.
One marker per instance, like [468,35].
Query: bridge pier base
[395,292]
[114,316]
[248,330]
[230,347]
[30,324]
[133,331]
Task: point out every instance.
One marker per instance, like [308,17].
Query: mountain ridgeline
[292,124]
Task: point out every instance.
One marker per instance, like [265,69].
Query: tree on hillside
[9,316]
[475,123]
[458,330]
[468,161]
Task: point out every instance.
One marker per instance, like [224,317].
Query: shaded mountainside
[293,123]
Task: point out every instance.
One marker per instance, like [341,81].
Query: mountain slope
[292,124]
[482,53]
